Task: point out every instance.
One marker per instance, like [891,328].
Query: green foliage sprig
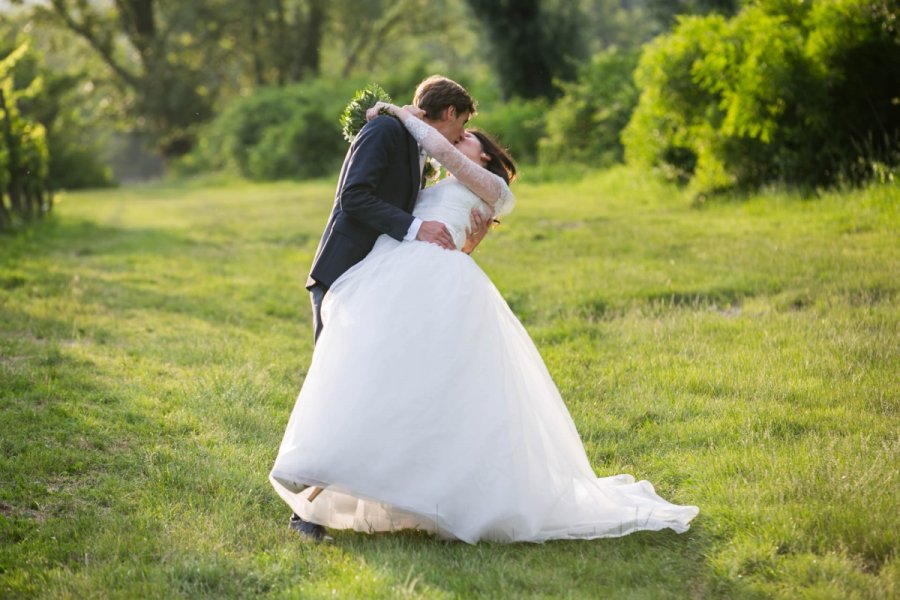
[354,116]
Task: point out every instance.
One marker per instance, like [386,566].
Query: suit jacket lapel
[415,173]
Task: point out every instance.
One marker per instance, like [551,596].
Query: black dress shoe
[309,531]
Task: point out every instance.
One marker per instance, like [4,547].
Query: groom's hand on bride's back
[436,233]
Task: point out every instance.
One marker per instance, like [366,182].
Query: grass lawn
[743,355]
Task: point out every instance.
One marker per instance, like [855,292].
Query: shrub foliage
[24,159]
[518,124]
[797,92]
[288,132]
[585,124]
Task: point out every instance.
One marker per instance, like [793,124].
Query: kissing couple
[427,405]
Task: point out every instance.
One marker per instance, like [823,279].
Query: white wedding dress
[427,406]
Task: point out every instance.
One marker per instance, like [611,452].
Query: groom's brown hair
[437,92]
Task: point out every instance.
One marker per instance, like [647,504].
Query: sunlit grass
[742,355]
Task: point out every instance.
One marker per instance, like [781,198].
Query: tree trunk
[12,145]
[5,217]
[15,197]
[303,37]
[139,22]
[32,205]
[258,69]
[310,58]
[281,60]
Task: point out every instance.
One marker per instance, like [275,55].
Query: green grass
[742,355]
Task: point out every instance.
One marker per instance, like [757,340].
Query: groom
[376,192]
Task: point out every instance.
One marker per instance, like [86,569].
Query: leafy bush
[585,124]
[75,167]
[782,91]
[290,131]
[518,124]
[309,144]
[24,159]
[854,50]
[58,101]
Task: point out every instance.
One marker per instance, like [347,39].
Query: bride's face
[470,145]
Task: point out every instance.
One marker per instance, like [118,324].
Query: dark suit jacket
[376,192]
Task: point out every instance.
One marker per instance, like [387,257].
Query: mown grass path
[743,356]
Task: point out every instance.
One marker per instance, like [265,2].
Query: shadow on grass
[112,269]
[646,564]
[68,450]
[96,472]
[85,238]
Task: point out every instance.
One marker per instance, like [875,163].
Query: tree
[65,105]
[23,150]
[533,43]
[150,57]
[173,59]
[364,28]
[283,38]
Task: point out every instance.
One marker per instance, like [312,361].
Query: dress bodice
[450,202]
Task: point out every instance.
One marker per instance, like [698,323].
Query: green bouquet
[354,116]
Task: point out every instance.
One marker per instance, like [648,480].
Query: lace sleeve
[506,201]
[487,186]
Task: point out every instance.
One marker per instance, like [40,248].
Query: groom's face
[453,124]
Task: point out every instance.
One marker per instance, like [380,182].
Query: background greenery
[720,314]
[784,91]
[742,356]
[717,94]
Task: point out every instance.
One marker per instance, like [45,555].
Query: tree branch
[369,42]
[103,47]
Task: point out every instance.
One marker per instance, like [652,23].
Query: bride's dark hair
[500,163]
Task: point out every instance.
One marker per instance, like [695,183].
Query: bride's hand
[479,227]
[414,110]
[376,110]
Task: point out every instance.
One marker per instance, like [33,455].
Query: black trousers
[316,295]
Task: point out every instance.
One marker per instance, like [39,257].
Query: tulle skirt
[427,406]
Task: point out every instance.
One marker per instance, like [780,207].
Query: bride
[427,405]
